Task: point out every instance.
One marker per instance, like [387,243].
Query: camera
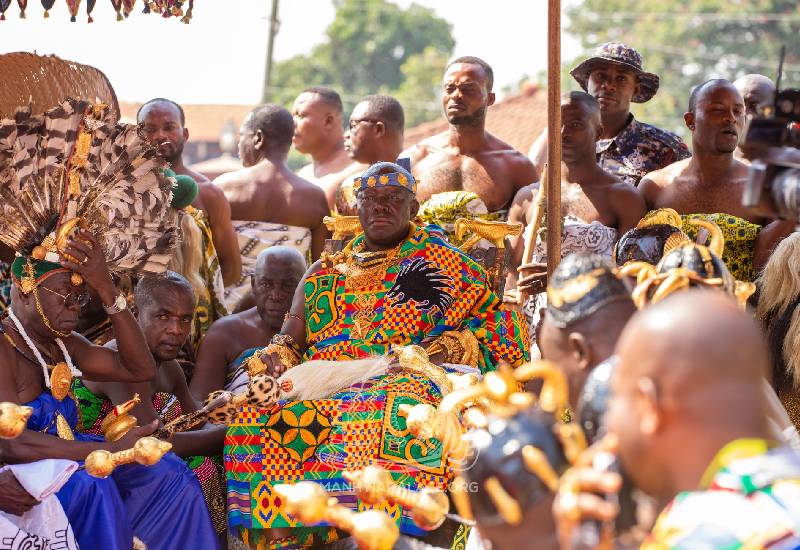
[772,141]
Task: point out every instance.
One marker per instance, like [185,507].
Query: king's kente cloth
[162,504]
[430,288]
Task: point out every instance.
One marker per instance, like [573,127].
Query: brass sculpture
[493,231]
[147,451]
[13,419]
[342,227]
[308,502]
[374,485]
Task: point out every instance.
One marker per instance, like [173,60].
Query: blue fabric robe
[162,504]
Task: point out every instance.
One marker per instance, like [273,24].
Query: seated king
[394,285]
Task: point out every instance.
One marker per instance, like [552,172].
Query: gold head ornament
[308,502]
[147,451]
[374,485]
[118,422]
[13,419]
[493,231]
[716,241]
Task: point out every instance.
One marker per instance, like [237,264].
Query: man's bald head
[691,369]
[757,90]
[278,271]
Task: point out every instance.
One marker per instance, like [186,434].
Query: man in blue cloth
[161,505]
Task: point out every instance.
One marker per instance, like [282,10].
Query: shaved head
[757,90]
[691,369]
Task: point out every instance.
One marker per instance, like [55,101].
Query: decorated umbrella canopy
[44,81]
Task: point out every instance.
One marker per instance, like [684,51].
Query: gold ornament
[309,503]
[493,231]
[414,359]
[118,422]
[63,428]
[13,419]
[342,227]
[374,485]
[147,451]
[60,380]
[39,252]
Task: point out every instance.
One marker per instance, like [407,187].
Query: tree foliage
[374,46]
[687,42]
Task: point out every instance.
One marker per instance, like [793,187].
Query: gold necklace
[363,269]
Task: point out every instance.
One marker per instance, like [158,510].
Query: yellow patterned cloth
[211,305]
[740,241]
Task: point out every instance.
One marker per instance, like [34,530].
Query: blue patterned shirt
[639,148]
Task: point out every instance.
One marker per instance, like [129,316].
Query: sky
[220,56]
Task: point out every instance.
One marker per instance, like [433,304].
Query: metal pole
[553,180]
[272,30]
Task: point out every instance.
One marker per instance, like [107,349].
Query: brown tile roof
[205,122]
[518,120]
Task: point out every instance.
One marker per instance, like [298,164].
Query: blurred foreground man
[692,432]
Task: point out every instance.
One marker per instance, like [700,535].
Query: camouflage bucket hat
[619,54]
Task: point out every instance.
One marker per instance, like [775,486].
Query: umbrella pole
[553,168]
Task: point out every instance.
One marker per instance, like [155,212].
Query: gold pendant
[60,380]
[63,429]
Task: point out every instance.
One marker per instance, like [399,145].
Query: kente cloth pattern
[752,501]
[209,471]
[254,237]
[211,305]
[443,209]
[135,500]
[6,282]
[639,148]
[576,236]
[433,287]
[740,242]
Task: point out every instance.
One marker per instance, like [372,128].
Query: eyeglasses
[356,121]
[72,298]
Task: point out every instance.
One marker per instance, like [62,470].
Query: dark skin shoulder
[270,194]
[494,172]
[223,343]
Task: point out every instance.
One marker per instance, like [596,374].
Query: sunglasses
[72,298]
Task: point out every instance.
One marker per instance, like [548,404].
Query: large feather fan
[73,160]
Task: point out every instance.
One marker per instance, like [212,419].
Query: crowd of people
[140,299]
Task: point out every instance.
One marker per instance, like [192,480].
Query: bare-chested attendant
[466,157]
[317,113]
[758,92]
[597,206]
[374,134]
[232,340]
[165,124]
[270,204]
[711,182]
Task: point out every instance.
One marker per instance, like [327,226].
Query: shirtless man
[266,189]
[374,134]
[165,124]
[466,157]
[317,113]
[588,191]
[758,91]
[278,271]
[712,180]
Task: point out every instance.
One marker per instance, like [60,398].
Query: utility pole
[272,30]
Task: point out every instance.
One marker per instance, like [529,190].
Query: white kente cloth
[254,237]
[576,236]
[44,526]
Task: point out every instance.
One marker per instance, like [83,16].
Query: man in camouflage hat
[627,147]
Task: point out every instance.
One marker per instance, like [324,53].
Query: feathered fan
[74,165]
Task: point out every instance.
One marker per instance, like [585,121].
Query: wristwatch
[120,304]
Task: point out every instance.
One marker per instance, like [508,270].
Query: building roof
[205,122]
[518,120]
